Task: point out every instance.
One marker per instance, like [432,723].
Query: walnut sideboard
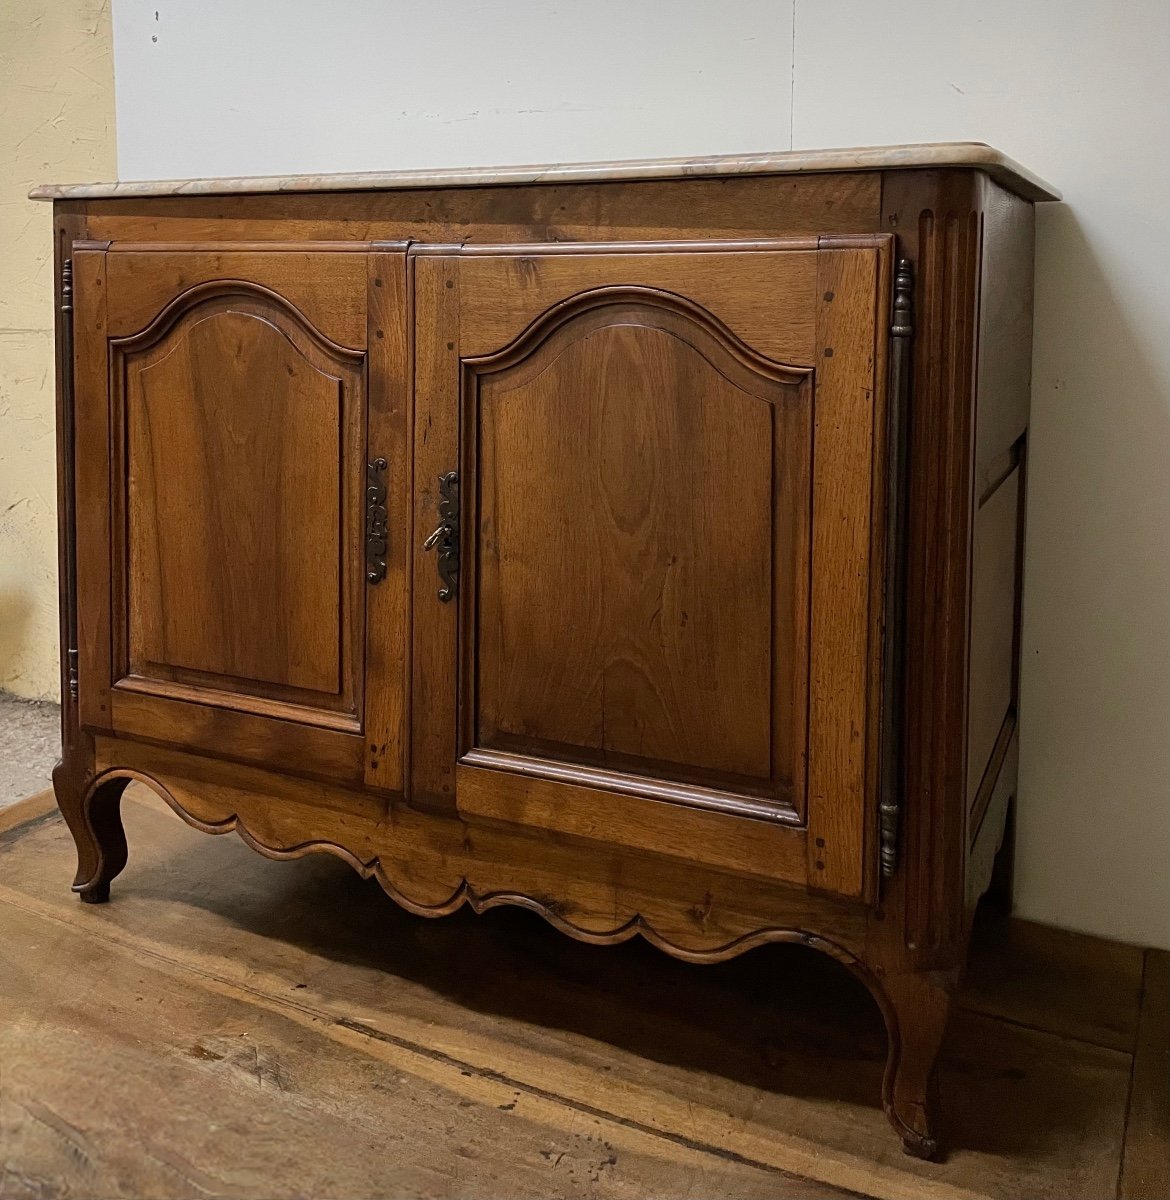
[638,543]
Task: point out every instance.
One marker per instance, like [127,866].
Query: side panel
[1002,402]
[937,215]
[971,245]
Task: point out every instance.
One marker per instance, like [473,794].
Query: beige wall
[56,122]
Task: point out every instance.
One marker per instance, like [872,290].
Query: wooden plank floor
[230,1026]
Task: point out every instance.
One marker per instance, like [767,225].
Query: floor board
[1083,987]
[1145,1171]
[232,1026]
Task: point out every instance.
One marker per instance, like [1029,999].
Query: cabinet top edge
[974,155]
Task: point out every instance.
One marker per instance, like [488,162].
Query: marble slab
[974,155]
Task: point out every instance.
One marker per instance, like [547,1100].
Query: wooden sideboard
[638,543]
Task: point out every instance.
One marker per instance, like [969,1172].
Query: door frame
[370,747]
[833,850]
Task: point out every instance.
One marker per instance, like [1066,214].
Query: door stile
[387,519]
[849,427]
[433,739]
[91,406]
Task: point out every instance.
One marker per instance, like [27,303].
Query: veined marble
[974,155]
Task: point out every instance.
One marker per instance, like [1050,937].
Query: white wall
[220,87]
[1078,91]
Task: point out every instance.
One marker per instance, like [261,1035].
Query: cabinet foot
[93,814]
[916,1014]
[98,894]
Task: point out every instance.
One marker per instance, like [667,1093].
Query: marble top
[974,155]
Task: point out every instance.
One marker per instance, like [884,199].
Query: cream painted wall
[1078,91]
[56,122]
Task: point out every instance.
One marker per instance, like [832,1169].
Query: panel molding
[185,303]
[630,784]
[529,340]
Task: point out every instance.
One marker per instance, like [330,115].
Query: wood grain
[388,436]
[434,640]
[92,475]
[695,208]
[510,700]
[265,736]
[267,997]
[763,296]
[1070,984]
[937,217]
[299,1103]
[598,815]
[326,285]
[431,863]
[234,479]
[618,525]
[849,405]
[31,808]
[237,430]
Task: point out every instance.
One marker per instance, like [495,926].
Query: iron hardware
[445,538]
[376,521]
[894,651]
[68,438]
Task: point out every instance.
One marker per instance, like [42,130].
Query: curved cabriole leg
[93,814]
[916,1019]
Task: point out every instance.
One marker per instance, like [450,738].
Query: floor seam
[1052,1033]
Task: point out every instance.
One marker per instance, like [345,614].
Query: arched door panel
[237,572]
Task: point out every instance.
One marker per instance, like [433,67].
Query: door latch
[445,538]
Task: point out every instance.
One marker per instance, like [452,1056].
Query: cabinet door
[657,625]
[223,399]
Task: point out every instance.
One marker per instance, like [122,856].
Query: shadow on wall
[1098,579]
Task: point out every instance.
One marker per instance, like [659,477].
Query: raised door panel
[656,519]
[234,576]
[641,552]
[235,427]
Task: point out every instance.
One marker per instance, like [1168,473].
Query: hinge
[377,520]
[67,286]
[894,646]
[69,500]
